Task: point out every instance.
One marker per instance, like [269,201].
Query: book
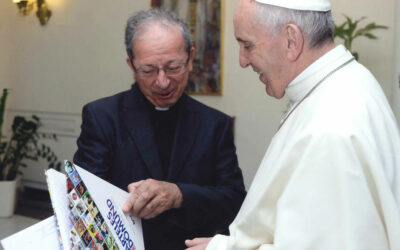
[87,213]
[42,235]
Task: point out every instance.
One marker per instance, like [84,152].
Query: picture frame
[205,19]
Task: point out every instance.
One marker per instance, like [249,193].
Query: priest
[330,178]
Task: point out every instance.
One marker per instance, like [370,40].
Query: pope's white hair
[316,26]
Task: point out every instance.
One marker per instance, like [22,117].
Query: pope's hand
[149,198]
[197,243]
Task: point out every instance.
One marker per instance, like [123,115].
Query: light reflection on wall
[55,5]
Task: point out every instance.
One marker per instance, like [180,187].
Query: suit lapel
[185,135]
[137,122]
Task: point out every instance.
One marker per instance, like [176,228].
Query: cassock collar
[307,79]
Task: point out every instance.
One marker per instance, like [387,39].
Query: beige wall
[376,55]
[79,56]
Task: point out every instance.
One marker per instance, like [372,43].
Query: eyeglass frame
[164,68]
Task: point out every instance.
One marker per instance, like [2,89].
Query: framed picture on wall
[204,18]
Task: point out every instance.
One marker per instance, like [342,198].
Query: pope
[330,178]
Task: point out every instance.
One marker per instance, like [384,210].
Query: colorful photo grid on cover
[88,229]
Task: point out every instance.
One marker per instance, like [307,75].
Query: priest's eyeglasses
[152,71]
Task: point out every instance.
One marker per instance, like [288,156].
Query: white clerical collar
[306,80]
[161,109]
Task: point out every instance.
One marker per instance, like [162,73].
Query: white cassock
[330,178]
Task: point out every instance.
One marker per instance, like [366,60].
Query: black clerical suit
[124,140]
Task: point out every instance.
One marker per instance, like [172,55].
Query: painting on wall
[204,18]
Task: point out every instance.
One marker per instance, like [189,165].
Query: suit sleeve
[94,151]
[214,207]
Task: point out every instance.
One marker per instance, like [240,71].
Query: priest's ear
[294,41]
[129,62]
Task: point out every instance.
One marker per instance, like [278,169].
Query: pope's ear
[294,41]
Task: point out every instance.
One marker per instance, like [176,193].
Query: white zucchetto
[313,5]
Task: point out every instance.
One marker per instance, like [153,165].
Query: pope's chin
[269,90]
[263,79]
[272,93]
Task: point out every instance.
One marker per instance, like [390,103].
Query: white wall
[79,56]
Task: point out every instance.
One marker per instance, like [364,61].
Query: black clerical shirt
[164,125]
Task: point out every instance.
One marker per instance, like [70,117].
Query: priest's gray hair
[316,26]
[141,21]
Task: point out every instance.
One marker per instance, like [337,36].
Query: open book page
[108,199]
[56,182]
[88,215]
[96,214]
[42,235]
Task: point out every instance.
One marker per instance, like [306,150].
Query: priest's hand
[149,198]
[197,243]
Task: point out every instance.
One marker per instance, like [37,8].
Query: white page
[109,200]
[42,235]
[57,183]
